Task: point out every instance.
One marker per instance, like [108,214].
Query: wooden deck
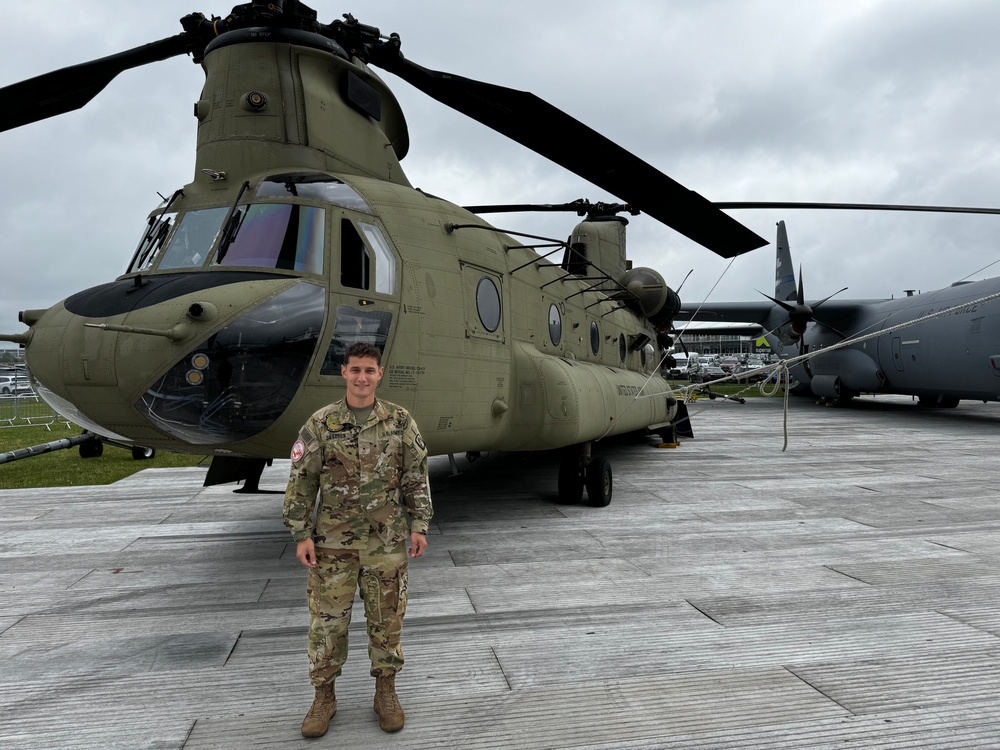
[840,594]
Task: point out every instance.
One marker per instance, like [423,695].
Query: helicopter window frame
[622,348]
[476,326]
[155,237]
[385,259]
[595,338]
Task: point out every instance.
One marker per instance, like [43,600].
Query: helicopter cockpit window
[369,326]
[193,239]
[315,186]
[151,242]
[277,235]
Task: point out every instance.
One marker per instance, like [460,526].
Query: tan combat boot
[323,707]
[390,713]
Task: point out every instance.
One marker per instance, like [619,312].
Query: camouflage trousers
[380,575]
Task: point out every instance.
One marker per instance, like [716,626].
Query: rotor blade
[552,133]
[856,207]
[70,88]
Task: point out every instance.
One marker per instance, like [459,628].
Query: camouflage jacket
[370,476]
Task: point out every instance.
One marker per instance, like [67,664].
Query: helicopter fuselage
[301,235]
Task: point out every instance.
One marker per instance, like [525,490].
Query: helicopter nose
[208,367]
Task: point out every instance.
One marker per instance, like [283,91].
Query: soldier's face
[362,375]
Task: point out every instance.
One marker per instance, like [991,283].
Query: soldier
[368,462]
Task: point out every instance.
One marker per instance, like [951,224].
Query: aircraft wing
[843,314]
[731,312]
[721,329]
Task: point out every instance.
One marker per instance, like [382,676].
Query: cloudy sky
[882,101]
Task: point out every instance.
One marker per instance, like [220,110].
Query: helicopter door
[364,291]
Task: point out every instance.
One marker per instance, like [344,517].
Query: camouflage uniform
[373,490]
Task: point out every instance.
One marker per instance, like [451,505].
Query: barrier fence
[28,410]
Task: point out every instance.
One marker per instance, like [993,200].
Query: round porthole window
[595,337]
[622,350]
[555,325]
[488,304]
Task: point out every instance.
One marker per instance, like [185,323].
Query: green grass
[65,468]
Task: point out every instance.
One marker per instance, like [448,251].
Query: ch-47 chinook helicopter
[300,235]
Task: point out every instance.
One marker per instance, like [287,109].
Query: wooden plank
[731,596]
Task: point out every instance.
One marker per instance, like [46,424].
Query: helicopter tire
[600,483]
[141,453]
[92,448]
[570,481]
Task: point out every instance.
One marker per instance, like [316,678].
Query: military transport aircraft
[300,234]
[952,355]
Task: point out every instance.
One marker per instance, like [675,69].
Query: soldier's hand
[305,551]
[418,543]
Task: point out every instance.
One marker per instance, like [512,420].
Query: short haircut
[363,349]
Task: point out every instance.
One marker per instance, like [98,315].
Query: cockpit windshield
[284,236]
[193,239]
[276,235]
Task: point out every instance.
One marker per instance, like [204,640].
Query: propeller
[801,314]
[519,115]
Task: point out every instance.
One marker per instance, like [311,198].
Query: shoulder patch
[298,450]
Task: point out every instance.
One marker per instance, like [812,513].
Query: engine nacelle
[827,386]
[649,295]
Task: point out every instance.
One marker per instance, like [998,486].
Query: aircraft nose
[206,366]
[238,381]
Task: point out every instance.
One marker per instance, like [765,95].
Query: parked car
[728,363]
[680,366]
[11,385]
[707,374]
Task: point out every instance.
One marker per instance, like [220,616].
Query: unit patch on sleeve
[298,450]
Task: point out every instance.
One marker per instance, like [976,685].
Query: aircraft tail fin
[784,272]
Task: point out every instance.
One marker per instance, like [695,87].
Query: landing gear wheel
[570,481]
[599,482]
[92,448]
[141,453]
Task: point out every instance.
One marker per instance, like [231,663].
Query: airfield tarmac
[841,593]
